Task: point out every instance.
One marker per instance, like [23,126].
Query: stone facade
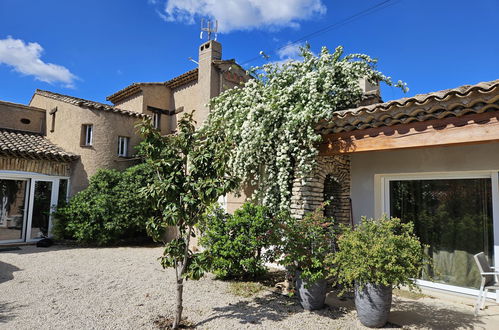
[64,129]
[42,166]
[331,180]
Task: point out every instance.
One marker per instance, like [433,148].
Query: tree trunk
[178,313]
[180,280]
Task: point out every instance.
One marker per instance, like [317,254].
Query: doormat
[7,249]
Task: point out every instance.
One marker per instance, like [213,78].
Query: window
[63,191]
[156,120]
[453,217]
[87,134]
[123,146]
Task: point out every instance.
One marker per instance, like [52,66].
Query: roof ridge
[18,143]
[133,88]
[422,98]
[88,103]
[13,130]
[75,98]
[421,107]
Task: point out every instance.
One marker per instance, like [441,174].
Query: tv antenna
[209,27]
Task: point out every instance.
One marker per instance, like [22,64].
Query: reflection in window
[41,209]
[123,142]
[12,204]
[63,192]
[454,218]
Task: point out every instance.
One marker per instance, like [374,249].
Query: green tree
[272,120]
[191,174]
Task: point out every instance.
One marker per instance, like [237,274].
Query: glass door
[43,201]
[13,202]
[453,217]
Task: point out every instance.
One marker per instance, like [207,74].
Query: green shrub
[306,245]
[235,243]
[379,251]
[109,210]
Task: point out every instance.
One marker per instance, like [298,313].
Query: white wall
[364,166]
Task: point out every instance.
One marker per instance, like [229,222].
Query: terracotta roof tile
[455,102]
[183,79]
[31,145]
[130,90]
[89,104]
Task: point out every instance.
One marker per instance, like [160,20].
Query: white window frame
[384,193]
[89,134]
[32,177]
[123,147]
[156,120]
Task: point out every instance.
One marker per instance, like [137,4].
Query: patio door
[43,200]
[13,209]
[455,215]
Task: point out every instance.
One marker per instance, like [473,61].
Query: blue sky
[93,48]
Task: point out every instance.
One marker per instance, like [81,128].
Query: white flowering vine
[271,120]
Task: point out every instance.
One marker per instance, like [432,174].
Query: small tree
[190,175]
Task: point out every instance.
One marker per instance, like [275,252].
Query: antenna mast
[210,27]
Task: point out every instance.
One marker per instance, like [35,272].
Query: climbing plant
[271,121]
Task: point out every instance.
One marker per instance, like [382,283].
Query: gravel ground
[125,288]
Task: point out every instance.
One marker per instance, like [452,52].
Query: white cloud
[244,14]
[25,58]
[289,52]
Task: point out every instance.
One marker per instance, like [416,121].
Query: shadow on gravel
[6,312]
[31,249]
[273,307]
[415,313]
[7,272]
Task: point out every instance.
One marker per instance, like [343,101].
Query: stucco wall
[159,97]
[188,96]
[107,127]
[11,115]
[365,187]
[132,103]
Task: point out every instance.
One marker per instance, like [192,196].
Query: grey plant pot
[313,296]
[373,303]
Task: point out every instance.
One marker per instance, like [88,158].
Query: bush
[379,251]
[235,243]
[109,210]
[307,245]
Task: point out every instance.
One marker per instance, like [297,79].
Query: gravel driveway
[125,288]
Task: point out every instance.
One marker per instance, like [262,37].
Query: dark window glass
[454,218]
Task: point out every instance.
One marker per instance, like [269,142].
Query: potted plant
[376,256]
[305,249]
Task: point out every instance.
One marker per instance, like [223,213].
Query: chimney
[371,92]
[208,76]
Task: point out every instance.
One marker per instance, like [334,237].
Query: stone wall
[35,165]
[308,192]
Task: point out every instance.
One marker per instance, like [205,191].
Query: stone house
[69,138]
[104,136]
[432,159]
[34,174]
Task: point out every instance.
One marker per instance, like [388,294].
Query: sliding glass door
[26,205]
[13,206]
[454,218]
[43,205]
